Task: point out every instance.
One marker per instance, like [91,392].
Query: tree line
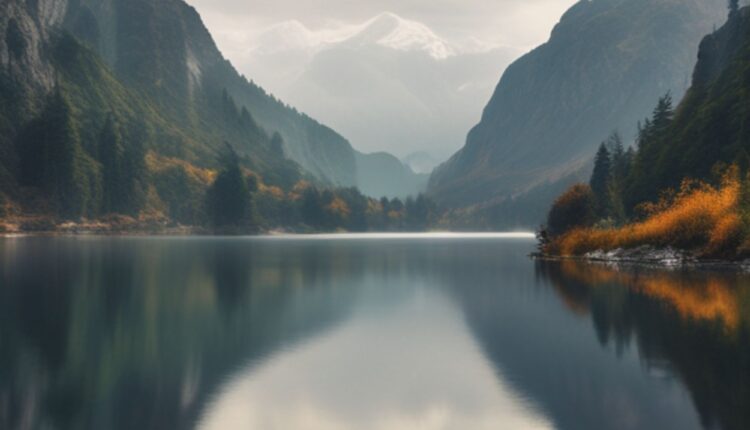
[111,176]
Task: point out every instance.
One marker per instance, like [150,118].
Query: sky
[515,23]
[405,104]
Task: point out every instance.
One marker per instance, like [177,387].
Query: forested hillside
[127,107]
[685,182]
[604,67]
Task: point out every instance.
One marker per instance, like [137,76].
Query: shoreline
[650,257]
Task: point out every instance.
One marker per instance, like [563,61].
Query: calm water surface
[361,332]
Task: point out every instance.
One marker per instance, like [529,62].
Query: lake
[361,332]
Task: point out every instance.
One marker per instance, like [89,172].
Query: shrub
[574,209]
[699,217]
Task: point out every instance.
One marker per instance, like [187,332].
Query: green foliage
[228,199]
[277,145]
[110,156]
[183,195]
[123,169]
[642,183]
[312,208]
[419,213]
[601,181]
[574,209]
[53,160]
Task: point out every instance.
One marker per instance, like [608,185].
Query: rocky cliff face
[24,32]
[604,67]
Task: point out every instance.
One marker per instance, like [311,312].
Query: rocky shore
[649,256]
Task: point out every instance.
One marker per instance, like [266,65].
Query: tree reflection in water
[695,322]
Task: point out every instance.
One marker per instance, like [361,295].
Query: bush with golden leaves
[699,217]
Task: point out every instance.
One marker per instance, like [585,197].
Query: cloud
[395,75]
[517,23]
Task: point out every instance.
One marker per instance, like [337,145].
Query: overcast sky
[516,23]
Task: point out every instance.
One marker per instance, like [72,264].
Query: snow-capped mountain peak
[391,31]
[386,30]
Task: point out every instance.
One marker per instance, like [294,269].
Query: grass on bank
[708,220]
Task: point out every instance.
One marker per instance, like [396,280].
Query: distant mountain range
[389,83]
[606,64]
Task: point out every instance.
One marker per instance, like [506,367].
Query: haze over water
[361,332]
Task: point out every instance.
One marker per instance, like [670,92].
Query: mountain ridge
[608,73]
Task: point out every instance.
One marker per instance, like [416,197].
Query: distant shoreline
[105,230]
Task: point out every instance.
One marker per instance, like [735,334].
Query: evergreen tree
[277,145]
[600,181]
[53,159]
[134,167]
[312,208]
[110,157]
[663,115]
[620,160]
[228,198]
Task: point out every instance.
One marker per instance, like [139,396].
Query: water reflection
[446,333]
[696,324]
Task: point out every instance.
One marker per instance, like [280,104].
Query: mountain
[145,77]
[421,162]
[710,126]
[604,67]
[388,83]
[685,185]
[382,174]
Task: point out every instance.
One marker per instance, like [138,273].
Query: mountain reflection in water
[441,332]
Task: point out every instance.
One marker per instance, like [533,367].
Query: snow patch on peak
[386,30]
[392,31]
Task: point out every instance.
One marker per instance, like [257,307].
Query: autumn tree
[575,208]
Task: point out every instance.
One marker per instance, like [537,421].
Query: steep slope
[710,126]
[685,186]
[604,67]
[382,174]
[153,67]
[161,105]
[164,48]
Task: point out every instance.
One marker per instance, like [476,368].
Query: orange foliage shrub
[699,217]
[573,209]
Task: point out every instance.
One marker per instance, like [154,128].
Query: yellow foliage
[339,207]
[699,217]
[158,163]
[273,191]
[697,298]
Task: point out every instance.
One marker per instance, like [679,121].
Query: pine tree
[53,159]
[312,208]
[620,169]
[134,167]
[110,156]
[663,114]
[228,197]
[277,144]
[600,181]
